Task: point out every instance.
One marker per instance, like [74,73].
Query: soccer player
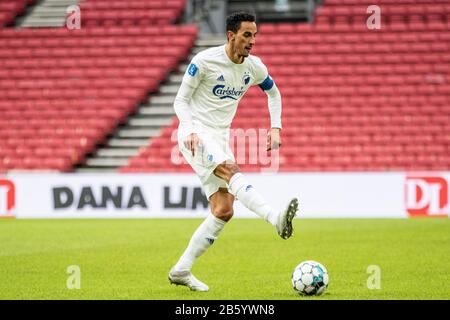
[206,102]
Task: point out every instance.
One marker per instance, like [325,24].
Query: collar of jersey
[228,58]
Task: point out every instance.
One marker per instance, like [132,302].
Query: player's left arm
[266,83]
[274,104]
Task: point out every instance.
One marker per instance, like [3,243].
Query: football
[310,278]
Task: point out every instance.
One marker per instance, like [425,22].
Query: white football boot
[186,278]
[284,222]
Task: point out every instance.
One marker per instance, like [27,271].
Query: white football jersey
[220,85]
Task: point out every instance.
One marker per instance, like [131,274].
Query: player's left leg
[222,210]
[246,193]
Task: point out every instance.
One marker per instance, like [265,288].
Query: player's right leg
[202,162]
[247,194]
[222,210]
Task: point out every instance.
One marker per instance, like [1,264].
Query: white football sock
[201,240]
[250,198]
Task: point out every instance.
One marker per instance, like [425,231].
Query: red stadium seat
[60,84]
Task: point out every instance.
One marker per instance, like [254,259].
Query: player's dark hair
[235,19]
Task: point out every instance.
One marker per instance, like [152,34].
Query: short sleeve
[194,72]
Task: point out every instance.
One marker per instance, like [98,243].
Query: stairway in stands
[140,129]
[47,13]
[12,10]
[52,13]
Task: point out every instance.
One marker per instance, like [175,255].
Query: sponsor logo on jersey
[227,93]
[221,78]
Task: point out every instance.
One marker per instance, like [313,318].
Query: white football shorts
[213,149]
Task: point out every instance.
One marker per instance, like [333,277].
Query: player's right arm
[191,81]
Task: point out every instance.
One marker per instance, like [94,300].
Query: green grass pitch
[130,259]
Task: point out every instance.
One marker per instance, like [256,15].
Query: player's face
[244,40]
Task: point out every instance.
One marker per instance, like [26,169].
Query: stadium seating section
[131,12]
[354,99]
[356,11]
[10,9]
[62,91]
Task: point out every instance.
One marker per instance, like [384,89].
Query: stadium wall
[321,195]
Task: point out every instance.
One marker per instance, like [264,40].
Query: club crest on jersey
[192,70]
[246,79]
[227,93]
